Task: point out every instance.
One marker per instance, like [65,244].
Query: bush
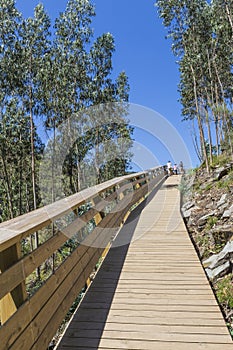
[224,291]
[211,221]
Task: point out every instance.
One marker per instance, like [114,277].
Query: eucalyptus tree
[35,46]
[222,61]
[201,33]
[10,20]
[112,131]
[73,34]
[186,21]
[84,69]
[101,92]
[123,130]
[225,10]
[54,78]
[68,73]
[14,125]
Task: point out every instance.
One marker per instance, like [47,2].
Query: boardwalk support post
[13,300]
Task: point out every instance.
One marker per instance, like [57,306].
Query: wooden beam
[15,298]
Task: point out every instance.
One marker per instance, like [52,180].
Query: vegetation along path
[153,292]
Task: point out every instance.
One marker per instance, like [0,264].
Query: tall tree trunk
[32,130]
[32,136]
[20,176]
[211,105]
[209,136]
[217,136]
[229,16]
[8,186]
[33,162]
[217,121]
[201,132]
[207,119]
[225,117]
[97,166]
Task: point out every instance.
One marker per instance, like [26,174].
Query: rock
[186,213]
[228,213]
[219,271]
[221,172]
[222,208]
[191,221]
[210,205]
[218,264]
[186,209]
[188,205]
[222,200]
[222,228]
[204,218]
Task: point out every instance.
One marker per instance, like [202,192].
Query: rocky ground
[207,209]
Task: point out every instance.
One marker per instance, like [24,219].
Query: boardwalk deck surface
[151,293]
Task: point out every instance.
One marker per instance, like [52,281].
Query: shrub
[224,291]
[211,221]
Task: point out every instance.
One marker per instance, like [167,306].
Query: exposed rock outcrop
[208,213]
[208,209]
[219,264]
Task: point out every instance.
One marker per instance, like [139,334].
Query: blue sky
[145,55]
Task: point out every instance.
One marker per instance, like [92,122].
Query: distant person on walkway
[175,169]
[165,170]
[169,168]
[181,167]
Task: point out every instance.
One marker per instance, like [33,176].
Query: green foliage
[208,187]
[197,185]
[220,160]
[226,182]
[204,244]
[48,79]
[201,33]
[211,221]
[56,81]
[224,290]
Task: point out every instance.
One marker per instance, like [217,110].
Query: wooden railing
[30,321]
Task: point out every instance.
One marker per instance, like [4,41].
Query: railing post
[13,300]
[98,217]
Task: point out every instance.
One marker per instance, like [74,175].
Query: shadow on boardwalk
[86,328]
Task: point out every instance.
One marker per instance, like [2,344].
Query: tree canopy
[49,74]
[202,39]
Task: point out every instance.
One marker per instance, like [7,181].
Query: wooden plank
[40,305]
[18,272]
[12,301]
[32,307]
[58,316]
[153,336]
[13,231]
[134,344]
[145,297]
[162,319]
[23,268]
[156,332]
[44,295]
[15,275]
[207,310]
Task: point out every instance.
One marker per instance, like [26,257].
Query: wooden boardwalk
[151,293]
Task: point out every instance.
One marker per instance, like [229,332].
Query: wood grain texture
[152,292]
[12,231]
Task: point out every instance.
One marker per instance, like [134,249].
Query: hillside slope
[208,212]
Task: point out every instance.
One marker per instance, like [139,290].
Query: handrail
[25,318]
